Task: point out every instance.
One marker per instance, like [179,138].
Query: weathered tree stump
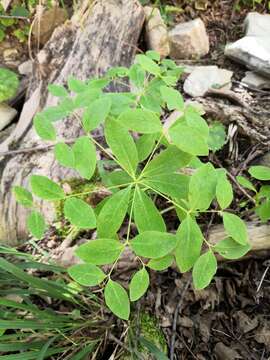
[102,34]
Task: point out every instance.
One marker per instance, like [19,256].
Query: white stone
[257,24]
[256,81]
[26,68]
[204,78]
[156,33]
[7,114]
[189,40]
[253,50]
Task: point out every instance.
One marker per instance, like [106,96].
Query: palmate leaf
[217,136]
[181,136]
[173,185]
[117,300]
[168,161]
[145,145]
[36,224]
[148,64]
[96,113]
[113,213]
[230,249]
[161,263]
[44,128]
[194,119]
[235,227]
[153,244]
[260,172]
[204,270]
[172,97]
[57,90]
[79,213]
[202,187]
[139,284]
[154,55]
[86,274]
[83,99]
[23,196]
[245,183]
[146,215]
[76,85]
[100,252]
[120,102]
[45,188]
[263,211]
[140,120]
[64,155]
[224,191]
[189,244]
[137,75]
[85,157]
[122,145]
[118,177]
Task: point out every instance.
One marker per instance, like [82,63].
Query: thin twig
[262,279]
[38,148]
[175,318]
[14,17]
[124,346]
[240,187]
[236,183]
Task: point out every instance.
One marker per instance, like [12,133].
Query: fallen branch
[253,124]
[259,235]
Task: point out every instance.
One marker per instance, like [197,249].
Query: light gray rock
[257,24]
[203,78]
[253,50]
[189,40]
[256,81]
[156,33]
[7,114]
[26,68]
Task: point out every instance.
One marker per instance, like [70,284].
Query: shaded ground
[228,320]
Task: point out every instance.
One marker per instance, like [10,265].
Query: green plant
[252,3]
[13,21]
[9,83]
[150,158]
[42,315]
[261,197]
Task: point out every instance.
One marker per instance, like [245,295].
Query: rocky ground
[226,54]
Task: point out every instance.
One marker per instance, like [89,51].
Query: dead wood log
[259,235]
[251,123]
[102,34]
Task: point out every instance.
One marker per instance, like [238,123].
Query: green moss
[150,330]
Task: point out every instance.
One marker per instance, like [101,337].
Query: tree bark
[103,34]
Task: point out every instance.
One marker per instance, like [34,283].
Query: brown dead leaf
[224,352]
[263,336]
[44,25]
[185,322]
[246,324]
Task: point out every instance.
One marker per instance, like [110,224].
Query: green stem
[165,197]
[151,156]
[112,157]
[128,234]
[96,188]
